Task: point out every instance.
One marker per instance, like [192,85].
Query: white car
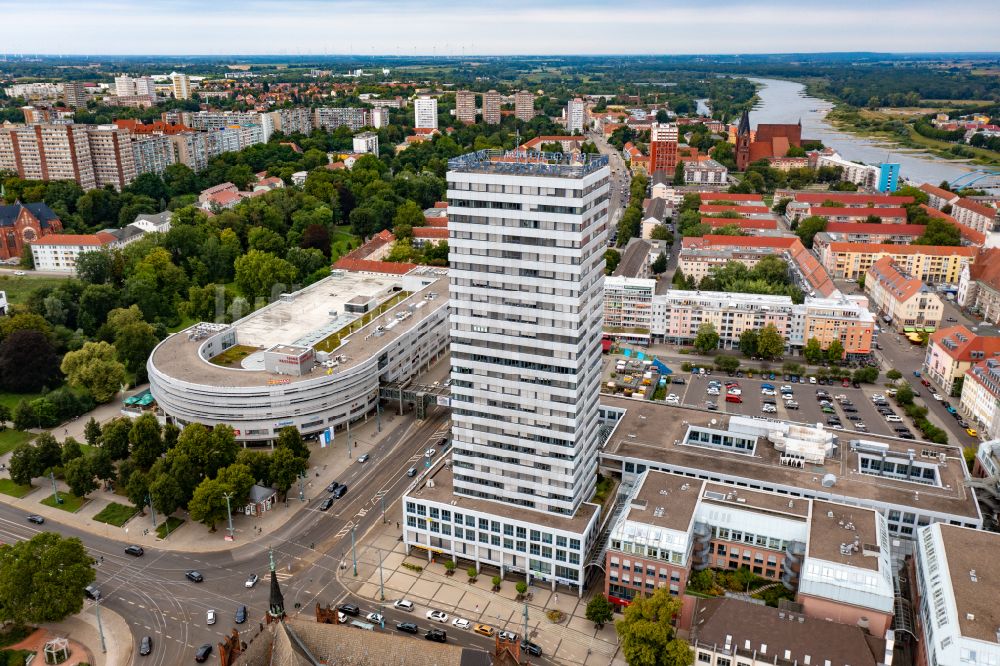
[374,618]
[858,425]
[768,409]
[812,380]
[430,453]
[878,396]
[437,616]
[210,617]
[713,391]
[19,273]
[461,623]
[341,618]
[785,388]
[937,396]
[767,392]
[735,391]
[251,581]
[841,397]
[673,399]
[892,418]
[403,604]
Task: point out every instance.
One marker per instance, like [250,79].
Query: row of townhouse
[931,263]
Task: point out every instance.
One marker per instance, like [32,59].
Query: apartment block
[127,86]
[425,112]
[877,234]
[180,85]
[465,106]
[835,557]
[854,215]
[366,142]
[979,285]
[524,105]
[980,400]
[975,215]
[379,117]
[48,152]
[705,172]
[491,107]
[663,148]
[931,263]
[192,148]
[218,120]
[330,118]
[951,352]
[628,308]
[60,252]
[152,153]
[75,94]
[292,121]
[937,197]
[575,116]
[901,300]
[112,156]
[526,272]
[957,581]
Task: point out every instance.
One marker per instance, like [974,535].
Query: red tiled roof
[888,248]
[936,191]
[752,210]
[713,240]
[440,204]
[896,283]
[986,268]
[963,342]
[436,221]
[835,211]
[975,207]
[726,196]
[861,200]
[430,232]
[99,238]
[876,229]
[741,222]
[968,233]
[364,265]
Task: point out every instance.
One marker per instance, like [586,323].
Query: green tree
[95,368]
[114,437]
[808,228]
[813,351]
[290,438]
[134,337]
[647,633]
[707,339]
[866,375]
[748,342]
[770,343]
[79,476]
[660,265]
[727,363]
[24,416]
[408,216]
[939,232]
[612,258]
[835,351]
[92,432]
[241,176]
[42,579]
[5,416]
[660,232]
[286,468]
[207,505]
[166,493]
[679,173]
[23,464]
[893,375]
[259,464]
[599,610]
[28,362]
[258,273]
[70,450]
[145,441]
[904,394]
[137,488]
[237,479]
[265,240]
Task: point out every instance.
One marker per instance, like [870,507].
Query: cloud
[452,27]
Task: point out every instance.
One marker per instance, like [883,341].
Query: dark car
[856,384]
[339,492]
[241,615]
[332,487]
[945,404]
[194,576]
[92,592]
[408,627]
[145,645]
[349,609]
[201,654]
[134,550]
[678,380]
[850,410]
[326,504]
[436,635]
[533,649]
[36,519]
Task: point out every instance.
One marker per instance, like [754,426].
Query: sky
[492,27]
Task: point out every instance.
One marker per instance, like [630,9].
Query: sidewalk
[85,640]
[574,640]
[326,465]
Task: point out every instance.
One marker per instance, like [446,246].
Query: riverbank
[896,130]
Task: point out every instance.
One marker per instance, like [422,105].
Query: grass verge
[165,528]
[8,487]
[115,514]
[11,439]
[70,502]
[14,634]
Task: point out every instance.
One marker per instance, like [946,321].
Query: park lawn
[165,528]
[70,502]
[18,288]
[8,487]
[11,439]
[116,514]
[10,400]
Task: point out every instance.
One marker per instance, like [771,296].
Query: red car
[925,382]
[845,383]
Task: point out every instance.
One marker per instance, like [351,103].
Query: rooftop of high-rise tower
[528,163]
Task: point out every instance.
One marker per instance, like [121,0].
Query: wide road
[155,598]
[620,180]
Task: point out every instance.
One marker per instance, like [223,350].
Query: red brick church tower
[743,142]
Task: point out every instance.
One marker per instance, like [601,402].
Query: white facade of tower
[527,264]
[425,112]
[574,116]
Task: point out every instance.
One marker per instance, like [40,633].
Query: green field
[233,356]
[18,288]
[70,502]
[163,529]
[115,514]
[8,487]
[10,400]
[11,439]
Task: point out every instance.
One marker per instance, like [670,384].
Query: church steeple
[276,604]
[744,126]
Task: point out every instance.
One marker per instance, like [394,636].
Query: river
[787,102]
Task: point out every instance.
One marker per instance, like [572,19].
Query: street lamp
[229,513]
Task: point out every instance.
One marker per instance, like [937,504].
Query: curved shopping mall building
[313,359]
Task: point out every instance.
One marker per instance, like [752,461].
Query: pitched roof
[728,196]
[96,240]
[782,635]
[633,259]
[913,230]
[958,342]
[975,207]
[860,199]
[44,214]
[889,248]
[750,210]
[368,266]
[712,240]
[899,285]
[986,268]
[836,211]
[968,233]
[655,208]
[933,190]
[430,232]
[741,222]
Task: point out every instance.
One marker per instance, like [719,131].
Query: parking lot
[693,393]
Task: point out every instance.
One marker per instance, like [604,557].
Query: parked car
[951,410]
[349,609]
[678,380]
[403,604]
[411,472]
[531,648]
[241,615]
[791,404]
[673,399]
[436,635]
[734,391]
[202,653]
[461,623]
[893,418]
[768,409]
[374,618]
[734,398]
[437,616]
[711,405]
[210,616]
[364,458]
[972,432]
[856,384]
[937,396]
[484,630]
